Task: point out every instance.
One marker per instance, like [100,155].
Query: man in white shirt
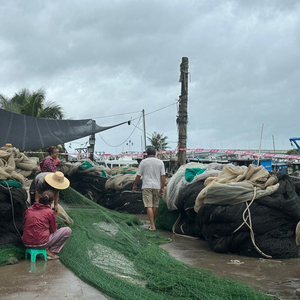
[154,176]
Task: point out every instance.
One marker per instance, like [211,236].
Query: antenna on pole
[261,135]
[144,127]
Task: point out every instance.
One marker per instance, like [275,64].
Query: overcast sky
[98,58]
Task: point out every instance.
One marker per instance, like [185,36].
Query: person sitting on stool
[40,228]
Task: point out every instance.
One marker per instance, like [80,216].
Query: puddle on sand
[115,263]
[109,228]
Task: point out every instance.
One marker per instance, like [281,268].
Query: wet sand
[280,277]
[43,280]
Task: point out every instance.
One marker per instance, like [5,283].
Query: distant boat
[125,160]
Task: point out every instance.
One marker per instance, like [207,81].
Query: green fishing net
[9,254]
[114,253]
[165,219]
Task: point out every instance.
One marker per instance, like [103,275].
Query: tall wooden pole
[182,118]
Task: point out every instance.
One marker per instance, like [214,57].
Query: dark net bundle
[125,199]
[274,219]
[186,223]
[13,203]
[90,183]
[114,253]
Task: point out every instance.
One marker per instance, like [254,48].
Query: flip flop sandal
[52,257]
[151,229]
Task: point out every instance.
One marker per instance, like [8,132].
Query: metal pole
[144,125]
[273,143]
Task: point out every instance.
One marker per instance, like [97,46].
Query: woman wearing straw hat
[48,181]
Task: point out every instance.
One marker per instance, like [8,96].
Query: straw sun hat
[57,180]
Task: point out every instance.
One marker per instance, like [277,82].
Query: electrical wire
[136,126]
[115,146]
[116,115]
[149,135]
[154,111]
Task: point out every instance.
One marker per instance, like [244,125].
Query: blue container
[267,164]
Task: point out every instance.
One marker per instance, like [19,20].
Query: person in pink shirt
[40,228]
[50,162]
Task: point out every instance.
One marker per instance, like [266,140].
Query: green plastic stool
[34,252]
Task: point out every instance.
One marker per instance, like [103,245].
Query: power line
[154,111]
[116,115]
[135,126]
[114,146]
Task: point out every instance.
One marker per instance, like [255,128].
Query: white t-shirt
[151,169]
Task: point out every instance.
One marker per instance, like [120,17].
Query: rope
[185,236]
[249,225]
[12,208]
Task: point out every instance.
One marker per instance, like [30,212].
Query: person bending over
[40,228]
[48,181]
[50,162]
[153,172]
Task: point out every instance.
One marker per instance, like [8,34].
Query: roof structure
[30,133]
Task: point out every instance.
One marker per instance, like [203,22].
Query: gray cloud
[100,58]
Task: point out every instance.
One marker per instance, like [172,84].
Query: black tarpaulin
[29,133]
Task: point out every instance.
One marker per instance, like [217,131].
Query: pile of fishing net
[114,192]
[242,210]
[114,253]
[13,203]
[87,178]
[262,227]
[119,194]
[181,193]
[187,174]
[123,170]
[15,165]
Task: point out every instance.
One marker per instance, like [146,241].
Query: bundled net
[114,192]
[233,217]
[13,203]
[114,253]
[273,220]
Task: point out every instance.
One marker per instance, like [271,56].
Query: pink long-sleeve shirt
[39,223]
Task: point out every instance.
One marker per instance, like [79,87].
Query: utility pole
[144,125]
[182,117]
[92,141]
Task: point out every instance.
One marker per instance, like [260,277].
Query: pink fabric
[48,165]
[56,161]
[56,240]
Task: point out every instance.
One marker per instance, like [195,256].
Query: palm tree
[31,104]
[158,141]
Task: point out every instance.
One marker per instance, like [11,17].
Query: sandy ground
[43,280]
[276,277]
[52,280]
